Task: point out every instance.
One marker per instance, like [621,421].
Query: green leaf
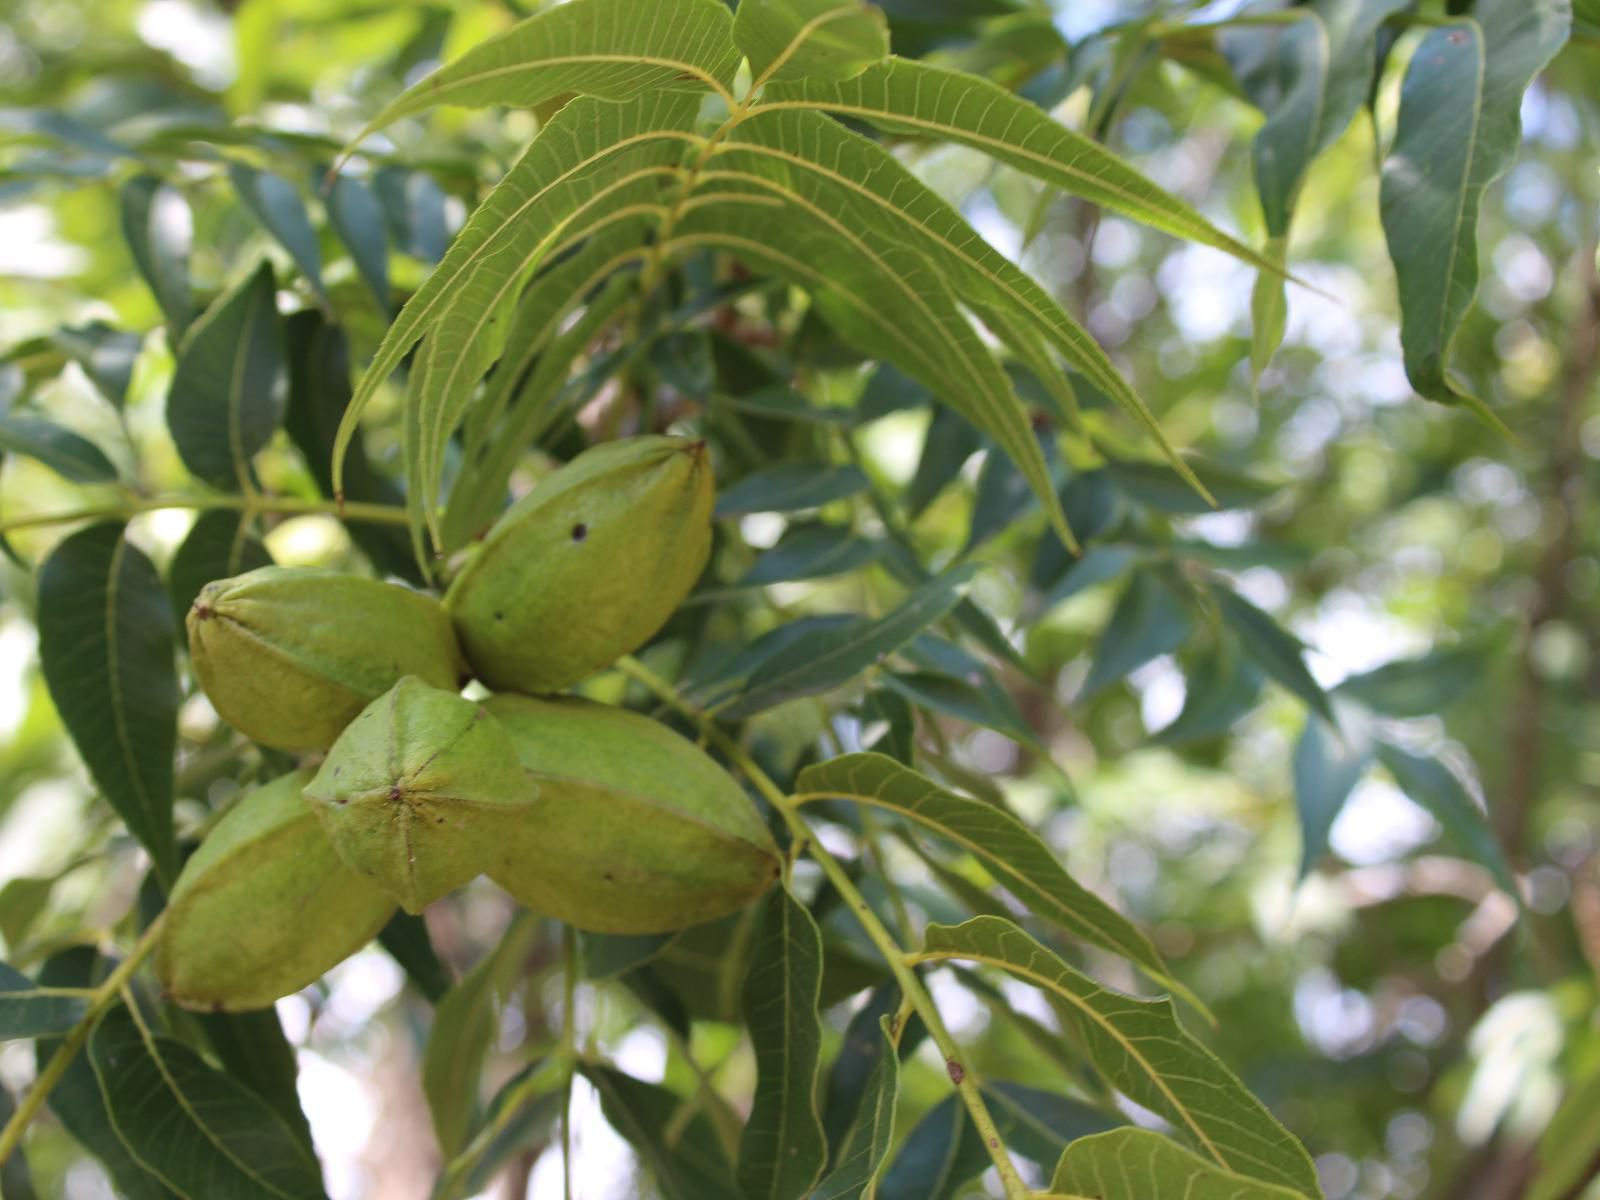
[29,1011]
[990,706]
[106,645]
[1309,76]
[406,939]
[159,229]
[1219,689]
[606,955]
[811,552]
[864,1148]
[943,1151]
[1139,1164]
[199,1130]
[1149,621]
[465,1023]
[229,386]
[219,545]
[1570,1145]
[684,361]
[682,1156]
[1419,687]
[1276,652]
[857,1058]
[600,48]
[783,1150]
[1099,564]
[1432,785]
[76,1099]
[1458,130]
[1018,860]
[951,440]
[23,899]
[68,454]
[791,487]
[1141,1048]
[824,659]
[357,217]
[106,355]
[916,98]
[1040,1124]
[275,202]
[1153,484]
[16,1180]
[810,39]
[1328,763]
[251,1048]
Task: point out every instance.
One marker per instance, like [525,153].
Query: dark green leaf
[1099,564]
[106,644]
[682,1156]
[219,545]
[1458,130]
[105,354]
[413,206]
[1149,621]
[1018,860]
[1219,689]
[784,404]
[822,660]
[160,232]
[70,455]
[77,1101]
[1153,484]
[228,389]
[951,440]
[523,1111]
[811,552]
[406,939]
[27,1011]
[790,487]
[1274,651]
[990,706]
[16,1180]
[276,203]
[199,1130]
[1142,1049]
[357,217]
[1040,1124]
[898,741]
[860,1153]
[1328,763]
[783,1149]
[683,360]
[1419,687]
[1431,784]
[857,1060]
[251,1048]
[1139,1164]
[609,954]
[464,1027]
[810,39]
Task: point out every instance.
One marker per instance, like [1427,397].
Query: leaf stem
[894,956]
[104,997]
[387,514]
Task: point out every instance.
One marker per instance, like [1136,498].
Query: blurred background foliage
[1369,979]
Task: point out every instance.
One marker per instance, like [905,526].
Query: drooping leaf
[783,1149]
[106,645]
[357,216]
[464,1025]
[823,659]
[406,939]
[810,39]
[811,552]
[601,48]
[219,545]
[791,487]
[1149,620]
[197,1129]
[29,1011]
[1434,786]
[1219,690]
[988,705]
[1419,687]
[159,229]
[1040,1124]
[1274,650]
[943,1151]
[229,386]
[682,1156]
[1142,1049]
[413,207]
[276,203]
[1099,564]
[1328,763]
[1137,1164]
[68,454]
[1459,126]
[863,1149]
[1018,860]
[105,354]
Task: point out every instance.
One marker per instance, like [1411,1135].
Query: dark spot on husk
[580,531]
